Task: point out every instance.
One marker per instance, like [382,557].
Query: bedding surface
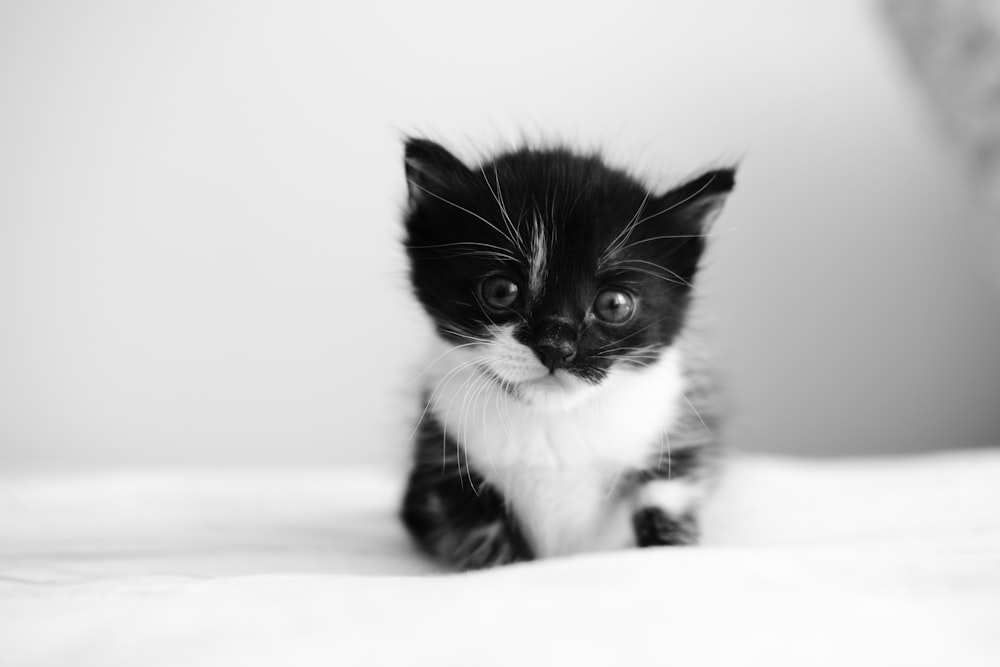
[863,561]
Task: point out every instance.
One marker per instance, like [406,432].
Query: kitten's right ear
[430,169]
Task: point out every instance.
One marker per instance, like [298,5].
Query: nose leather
[556,345]
[555,357]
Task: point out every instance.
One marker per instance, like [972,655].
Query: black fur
[655,528]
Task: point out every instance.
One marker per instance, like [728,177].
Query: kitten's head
[552,269]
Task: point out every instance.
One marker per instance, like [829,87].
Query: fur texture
[564,412]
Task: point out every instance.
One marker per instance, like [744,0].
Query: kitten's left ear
[699,201]
[431,169]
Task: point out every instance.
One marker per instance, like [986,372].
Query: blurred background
[200,203]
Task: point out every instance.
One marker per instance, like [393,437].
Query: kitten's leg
[669,492]
[453,513]
[667,499]
[659,523]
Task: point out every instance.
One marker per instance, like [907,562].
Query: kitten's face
[552,269]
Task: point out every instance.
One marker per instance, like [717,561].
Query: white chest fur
[558,463]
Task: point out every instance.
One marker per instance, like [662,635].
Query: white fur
[555,445]
[539,259]
[674,496]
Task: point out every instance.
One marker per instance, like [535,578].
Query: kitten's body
[550,427]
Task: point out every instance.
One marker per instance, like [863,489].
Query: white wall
[199,209]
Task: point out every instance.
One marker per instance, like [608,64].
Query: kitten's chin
[553,392]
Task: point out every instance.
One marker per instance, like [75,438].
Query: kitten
[566,412]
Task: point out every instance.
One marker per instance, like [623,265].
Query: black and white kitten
[566,412]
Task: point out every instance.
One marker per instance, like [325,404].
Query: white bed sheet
[873,562]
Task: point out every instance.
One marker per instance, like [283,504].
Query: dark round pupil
[499,292]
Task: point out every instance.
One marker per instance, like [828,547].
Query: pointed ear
[699,201]
[430,169]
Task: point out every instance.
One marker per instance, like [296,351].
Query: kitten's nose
[555,345]
[556,356]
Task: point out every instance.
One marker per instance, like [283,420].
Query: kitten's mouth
[558,384]
[508,387]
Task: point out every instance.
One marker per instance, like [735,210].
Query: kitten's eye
[614,306]
[499,292]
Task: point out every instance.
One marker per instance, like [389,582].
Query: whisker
[462,208]
[624,234]
[444,436]
[440,357]
[670,237]
[641,350]
[498,197]
[487,254]
[466,336]
[696,413]
[444,433]
[670,462]
[672,278]
[433,246]
[468,403]
[633,225]
[639,331]
[486,439]
[681,202]
[634,360]
[446,379]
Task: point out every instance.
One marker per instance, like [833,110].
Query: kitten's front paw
[482,547]
[654,527]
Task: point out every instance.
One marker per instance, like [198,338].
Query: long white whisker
[696,413]
[435,246]
[681,202]
[627,348]
[468,403]
[441,356]
[674,277]
[503,207]
[639,331]
[466,336]
[442,384]
[670,237]
[632,226]
[458,444]
[512,230]
[444,381]
[626,231]
[486,439]
[462,208]
[621,465]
